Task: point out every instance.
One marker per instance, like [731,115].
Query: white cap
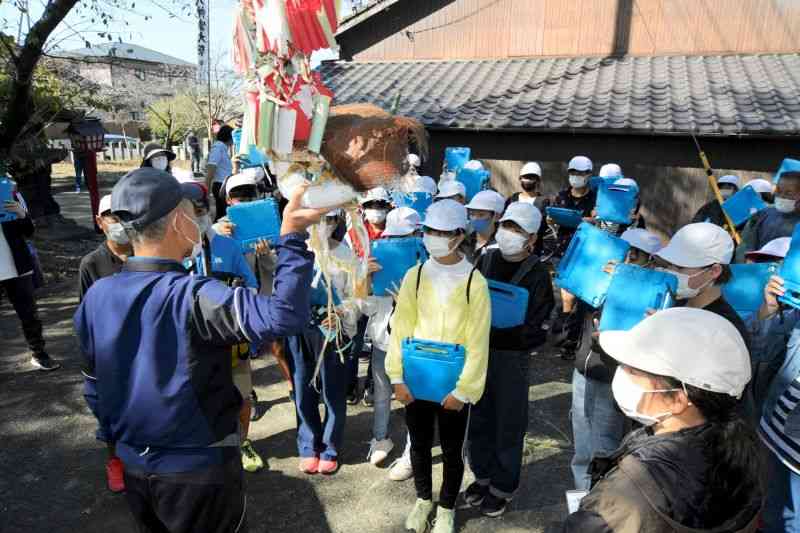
[376,194]
[450,188]
[531,168]
[473,164]
[775,248]
[610,170]
[710,355]
[527,216]
[239,180]
[414,161]
[698,245]
[401,222]
[488,201]
[105,204]
[761,186]
[580,163]
[335,213]
[642,239]
[425,184]
[729,179]
[446,215]
[626,182]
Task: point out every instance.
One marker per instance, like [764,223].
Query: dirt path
[53,469]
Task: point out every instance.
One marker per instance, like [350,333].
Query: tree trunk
[18,110]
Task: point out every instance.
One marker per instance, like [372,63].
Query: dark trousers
[355,352]
[210,500]
[20,293]
[80,172]
[498,424]
[421,418]
[317,437]
[219,200]
[196,157]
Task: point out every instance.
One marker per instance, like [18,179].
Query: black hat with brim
[146,195]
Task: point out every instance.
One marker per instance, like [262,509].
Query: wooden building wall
[667,168]
[476,29]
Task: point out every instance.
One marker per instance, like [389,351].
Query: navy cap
[146,194]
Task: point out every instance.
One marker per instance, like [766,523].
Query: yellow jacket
[454,321]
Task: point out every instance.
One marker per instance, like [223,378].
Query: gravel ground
[53,469]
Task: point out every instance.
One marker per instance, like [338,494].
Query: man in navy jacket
[157,343]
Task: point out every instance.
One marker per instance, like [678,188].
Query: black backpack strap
[419,279]
[525,268]
[469,282]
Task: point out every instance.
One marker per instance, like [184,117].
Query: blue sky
[175,36]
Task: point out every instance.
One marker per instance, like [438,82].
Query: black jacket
[662,483]
[15,232]
[541,301]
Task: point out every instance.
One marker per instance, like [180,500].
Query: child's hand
[373,266]
[451,403]
[772,291]
[226,228]
[402,394]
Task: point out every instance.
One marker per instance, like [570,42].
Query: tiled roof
[127,51]
[725,95]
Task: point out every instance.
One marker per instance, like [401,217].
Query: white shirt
[218,156]
[448,277]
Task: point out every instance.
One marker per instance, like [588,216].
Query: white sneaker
[401,469]
[445,521]
[379,450]
[417,521]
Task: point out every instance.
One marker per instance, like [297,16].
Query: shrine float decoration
[342,150]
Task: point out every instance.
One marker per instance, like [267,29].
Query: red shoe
[114,470]
[309,465]
[328,466]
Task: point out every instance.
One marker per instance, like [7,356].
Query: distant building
[618,80]
[136,75]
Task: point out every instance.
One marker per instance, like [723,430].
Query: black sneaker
[43,362]
[493,506]
[368,400]
[476,493]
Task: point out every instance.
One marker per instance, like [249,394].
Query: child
[402,222]
[443,300]
[499,420]
[319,442]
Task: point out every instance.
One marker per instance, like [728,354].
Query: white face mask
[726,193]
[116,233]
[578,182]
[785,205]
[197,244]
[329,227]
[628,395]
[511,243]
[375,216]
[685,292]
[159,162]
[438,246]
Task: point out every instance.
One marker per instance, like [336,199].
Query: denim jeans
[382,408]
[80,172]
[597,425]
[781,511]
[314,436]
[499,421]
[355,352]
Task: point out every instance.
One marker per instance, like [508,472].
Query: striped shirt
[771,428]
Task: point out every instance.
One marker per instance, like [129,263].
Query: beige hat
[697,347]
